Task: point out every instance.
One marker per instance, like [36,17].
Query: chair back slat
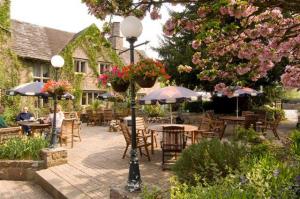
[244,113]
[173,138]
[126,133]
[250,120]
[205,124]
[67,127]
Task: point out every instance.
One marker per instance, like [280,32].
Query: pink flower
[154,14]
[196,44]
[169,27]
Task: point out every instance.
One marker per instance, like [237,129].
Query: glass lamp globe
[131,27]
[57,61]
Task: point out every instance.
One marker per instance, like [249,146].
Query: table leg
[193,137]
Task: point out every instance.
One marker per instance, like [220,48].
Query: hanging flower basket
[120,86]
[56,87]
[145,82]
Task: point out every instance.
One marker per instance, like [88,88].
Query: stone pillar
[54,157]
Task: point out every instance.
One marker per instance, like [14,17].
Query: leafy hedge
[22,148]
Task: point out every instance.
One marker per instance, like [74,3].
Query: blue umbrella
[33,89]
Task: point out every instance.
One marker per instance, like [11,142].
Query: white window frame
[106,64]
[40,78]
[80,68]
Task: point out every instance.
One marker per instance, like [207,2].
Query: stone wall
[54,157]
[19,169]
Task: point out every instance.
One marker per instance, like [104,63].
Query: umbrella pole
[237,107]
[171,114]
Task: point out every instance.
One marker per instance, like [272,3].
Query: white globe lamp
[57,61]
[131,27]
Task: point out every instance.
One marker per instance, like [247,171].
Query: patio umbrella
[28,89]
[238,92]
[110,97]
[170,95]
[33,89]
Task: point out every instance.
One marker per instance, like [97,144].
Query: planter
[120,86]
[145,82]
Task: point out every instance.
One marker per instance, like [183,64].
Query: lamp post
[57,62]
[131,28]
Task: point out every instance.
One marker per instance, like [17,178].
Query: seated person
[59,118]
[25,115]
[2,122]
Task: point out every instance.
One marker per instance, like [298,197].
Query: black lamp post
[57,62]
[131,28]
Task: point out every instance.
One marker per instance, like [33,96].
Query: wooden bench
[10,132]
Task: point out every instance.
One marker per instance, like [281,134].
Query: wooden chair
[141,141]
[77,129]
[204,126]
[10,132]
[89,117]
[173,142]
[107,116]
[142,128]
[216,130]
[250,121]
[273,125]
[67,131]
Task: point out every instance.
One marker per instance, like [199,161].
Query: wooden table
[34,125]
[159,128]
[233,119]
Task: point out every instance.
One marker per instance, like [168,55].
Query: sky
[72,16]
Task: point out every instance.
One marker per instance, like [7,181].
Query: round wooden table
[34,125]
[159,128]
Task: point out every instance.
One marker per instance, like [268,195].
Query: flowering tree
[235,39]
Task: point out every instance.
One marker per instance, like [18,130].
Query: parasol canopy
[170,95]
[33,89]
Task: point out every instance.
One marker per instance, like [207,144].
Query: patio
[95,165]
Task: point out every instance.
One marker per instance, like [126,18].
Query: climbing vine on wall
[9,63]
[96,47]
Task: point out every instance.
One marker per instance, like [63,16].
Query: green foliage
[148,193]
[291,94]
[264,177]
[295,146]
[22,148]
[96,104]
[208,161]
[95,46]
[153,111]
[5,14]
[10,114]
[247,135]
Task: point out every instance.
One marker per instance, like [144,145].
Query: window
[103,67]
[88,97]
[80,66]
[40,73]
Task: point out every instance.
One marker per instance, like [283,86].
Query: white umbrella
[170,95]
[240,91]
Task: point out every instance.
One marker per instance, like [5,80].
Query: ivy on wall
[96,48]
[9,63]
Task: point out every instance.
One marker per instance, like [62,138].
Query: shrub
[153,111]
[208,160]
[265,177]
[247,135]
[295,146]
[22,148]
[151,193]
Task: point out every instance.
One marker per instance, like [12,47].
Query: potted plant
[56,87]
[146,71]
[118,78]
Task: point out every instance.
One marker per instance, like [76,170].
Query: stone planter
[145,82]
[120,86]
[19,169]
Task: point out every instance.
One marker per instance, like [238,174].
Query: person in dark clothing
[25,115]
[2,122]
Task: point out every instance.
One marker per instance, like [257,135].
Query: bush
[208,161]
[247,135]
[295,146]
[22,148]
[153,111]
[265,177]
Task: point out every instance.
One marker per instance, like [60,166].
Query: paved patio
[95,164]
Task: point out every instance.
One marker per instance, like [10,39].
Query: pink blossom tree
[235,39]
